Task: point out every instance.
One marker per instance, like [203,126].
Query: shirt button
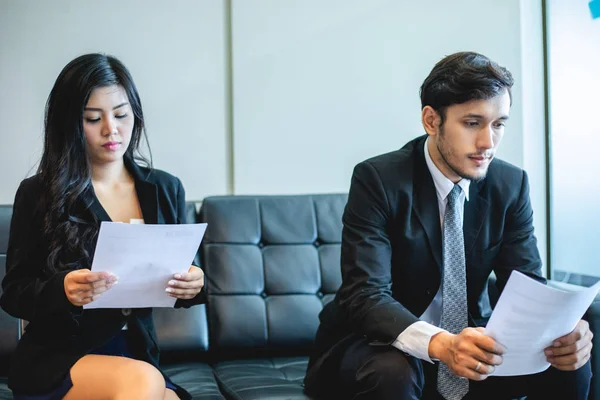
[126,311]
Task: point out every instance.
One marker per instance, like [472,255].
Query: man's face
[465,144]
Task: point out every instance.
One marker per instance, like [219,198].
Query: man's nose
[485,139]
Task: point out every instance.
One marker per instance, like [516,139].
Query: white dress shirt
[415,339]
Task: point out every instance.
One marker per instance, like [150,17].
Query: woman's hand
[187,285]
[84,286]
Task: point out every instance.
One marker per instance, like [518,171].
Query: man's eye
[471,123]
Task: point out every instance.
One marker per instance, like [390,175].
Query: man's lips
[479,159]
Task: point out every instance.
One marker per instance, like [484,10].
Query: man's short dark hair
[462,77]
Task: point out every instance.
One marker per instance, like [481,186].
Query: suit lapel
[93,205]
[147,192]
[476,211]
[425,204]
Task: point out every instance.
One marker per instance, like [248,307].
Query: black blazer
[59,333]
[392,250]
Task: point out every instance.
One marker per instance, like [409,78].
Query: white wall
[175,52]
[316,85]
[321,85]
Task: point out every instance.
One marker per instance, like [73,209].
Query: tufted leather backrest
[271,264]
[182,333]
[9,326]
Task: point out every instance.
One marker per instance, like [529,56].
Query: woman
[93,129]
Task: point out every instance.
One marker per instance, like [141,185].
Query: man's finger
[489,345]
[572,358]
[570,349]
[577,333]
[488,358]
[572,367]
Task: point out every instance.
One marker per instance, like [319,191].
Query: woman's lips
[112,146]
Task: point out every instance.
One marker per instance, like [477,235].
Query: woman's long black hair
[65,170]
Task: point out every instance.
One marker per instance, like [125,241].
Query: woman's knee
[145,380]
[111,377]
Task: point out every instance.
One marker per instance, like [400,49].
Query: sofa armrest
[593,317]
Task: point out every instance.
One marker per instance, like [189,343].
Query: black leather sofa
[271,264]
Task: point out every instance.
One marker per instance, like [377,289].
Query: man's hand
[186,285]
[470,354]
[83,286]
[571,351]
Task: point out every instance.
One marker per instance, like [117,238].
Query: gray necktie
[454,292]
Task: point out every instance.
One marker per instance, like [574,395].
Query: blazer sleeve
[365,296]
[519,249]
[200,298]
[28,293]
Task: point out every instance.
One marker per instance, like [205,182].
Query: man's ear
[431,120]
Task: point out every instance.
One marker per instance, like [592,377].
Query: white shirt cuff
[415,339]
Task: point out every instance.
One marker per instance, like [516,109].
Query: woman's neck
[110,174]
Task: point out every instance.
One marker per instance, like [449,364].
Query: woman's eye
[121,116]
[92,120]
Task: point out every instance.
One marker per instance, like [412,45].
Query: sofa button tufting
[263,295]
[317,243]
[320,295]
[261,245]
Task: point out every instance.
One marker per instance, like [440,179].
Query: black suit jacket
[59,333]
[392,251]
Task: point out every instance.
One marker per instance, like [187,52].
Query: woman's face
[107,124]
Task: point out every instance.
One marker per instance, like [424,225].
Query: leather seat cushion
[261,379]
[197,378]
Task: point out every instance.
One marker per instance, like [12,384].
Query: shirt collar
[443,185]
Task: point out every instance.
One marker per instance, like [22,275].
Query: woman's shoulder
[30,188]
[160,178]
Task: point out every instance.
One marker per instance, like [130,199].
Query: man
[423,229]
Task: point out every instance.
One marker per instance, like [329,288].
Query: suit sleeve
[365,296]
[519,249]
[200,298]
[27,293]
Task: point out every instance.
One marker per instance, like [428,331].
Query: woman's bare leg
[97,377]
[171,395]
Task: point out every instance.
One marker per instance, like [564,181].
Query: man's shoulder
[396,162]
[502,172]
